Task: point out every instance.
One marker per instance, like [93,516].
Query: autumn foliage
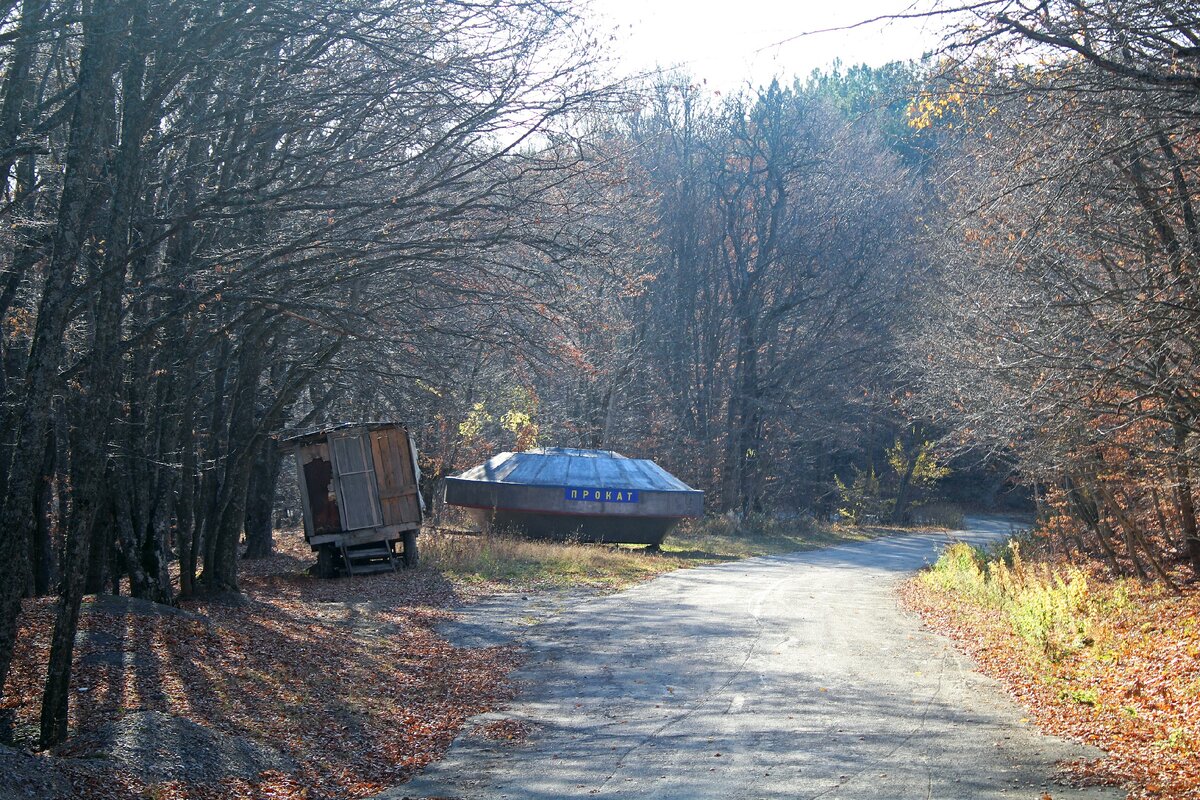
[1062,331]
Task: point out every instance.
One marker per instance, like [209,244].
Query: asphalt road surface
[781,677]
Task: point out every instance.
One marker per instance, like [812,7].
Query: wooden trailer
[359,483]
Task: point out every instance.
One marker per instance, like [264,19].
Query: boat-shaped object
[571,494]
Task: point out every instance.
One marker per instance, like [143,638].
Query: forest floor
[1125,679]
[308,688]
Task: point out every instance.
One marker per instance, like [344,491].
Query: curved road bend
[782,677]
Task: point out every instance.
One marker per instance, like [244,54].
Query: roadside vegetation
[1105,659]
[502,561]
[725,538]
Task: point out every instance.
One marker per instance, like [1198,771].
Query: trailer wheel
[326,562]
[410,549]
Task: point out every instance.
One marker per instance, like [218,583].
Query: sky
[730,43]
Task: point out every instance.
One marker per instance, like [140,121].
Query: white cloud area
[733,43]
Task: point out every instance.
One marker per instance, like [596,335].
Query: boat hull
[576,527]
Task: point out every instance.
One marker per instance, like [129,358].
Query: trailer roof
[322,431]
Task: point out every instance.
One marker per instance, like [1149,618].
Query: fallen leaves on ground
[1133,692]
[504,730]
[347,678]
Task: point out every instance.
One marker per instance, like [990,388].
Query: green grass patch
[1051,608]
[1086,697]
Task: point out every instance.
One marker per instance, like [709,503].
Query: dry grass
[510,561]
[507,560]
[948,516]
[726,538]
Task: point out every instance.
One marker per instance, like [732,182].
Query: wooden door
[399,496]
[317,489]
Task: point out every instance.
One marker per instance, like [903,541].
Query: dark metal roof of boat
[567,466]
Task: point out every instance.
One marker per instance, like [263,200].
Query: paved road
[782,677]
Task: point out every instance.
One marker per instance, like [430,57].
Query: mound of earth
[161,747]
[27,776]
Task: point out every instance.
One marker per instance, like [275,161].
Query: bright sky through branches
[730,44]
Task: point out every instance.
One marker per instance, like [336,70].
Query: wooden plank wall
[394,477]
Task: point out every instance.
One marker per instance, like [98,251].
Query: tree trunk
[102,404]
[57,691]
[220,564]
[17,86]
[1085,510]
[131,540]
[1135,536]
[1185,499]
[742,423]
[1159,514]
[186,507]
[44,569]
[904,491]
[260,501]
[80,201]
[105,567]
[209,494]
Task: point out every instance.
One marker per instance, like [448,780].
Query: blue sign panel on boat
[588,494]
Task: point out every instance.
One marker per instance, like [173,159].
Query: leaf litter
[327,688]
